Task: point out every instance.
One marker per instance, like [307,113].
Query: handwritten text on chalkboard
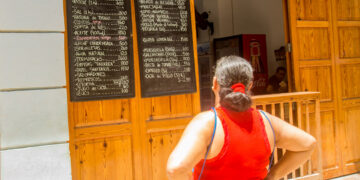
[165,47]
[100,49]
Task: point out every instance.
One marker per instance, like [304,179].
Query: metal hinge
[289,47]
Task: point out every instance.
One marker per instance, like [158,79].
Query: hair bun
[235,101]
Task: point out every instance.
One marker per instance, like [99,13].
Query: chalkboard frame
[70,40]
[193,88]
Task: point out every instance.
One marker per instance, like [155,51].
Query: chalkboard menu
[165,47]
[100,49]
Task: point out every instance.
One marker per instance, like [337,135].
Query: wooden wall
[128,138]
[326,55]
[33,106]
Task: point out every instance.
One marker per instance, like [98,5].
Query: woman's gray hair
[229,71]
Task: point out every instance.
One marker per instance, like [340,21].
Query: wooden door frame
[289,66]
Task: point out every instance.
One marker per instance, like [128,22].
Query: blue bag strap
[208,148]
[272,154]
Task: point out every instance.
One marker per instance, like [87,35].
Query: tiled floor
[349,177]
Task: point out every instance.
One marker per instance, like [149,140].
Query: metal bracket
[289,47]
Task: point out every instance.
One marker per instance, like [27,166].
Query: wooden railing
[301,109]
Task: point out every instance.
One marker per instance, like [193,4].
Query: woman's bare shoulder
[202,123]
[205,118]
[206,115]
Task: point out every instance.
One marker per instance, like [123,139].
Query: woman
[240,139]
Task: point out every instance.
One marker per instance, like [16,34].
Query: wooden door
[104,135]
[162,121]
[326,51]
[346,28]
[128,138]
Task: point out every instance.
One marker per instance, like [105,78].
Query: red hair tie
[238,87]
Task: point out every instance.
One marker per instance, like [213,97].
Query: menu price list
[100,49]
[165,47]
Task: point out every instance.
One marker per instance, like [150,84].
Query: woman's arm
[298,144]
[191,147]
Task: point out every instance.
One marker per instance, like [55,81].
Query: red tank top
[246,150]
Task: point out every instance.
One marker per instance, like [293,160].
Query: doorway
[235,19]
[321,41]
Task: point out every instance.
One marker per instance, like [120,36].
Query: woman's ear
[215,84]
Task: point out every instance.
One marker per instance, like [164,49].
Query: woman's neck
[217,101]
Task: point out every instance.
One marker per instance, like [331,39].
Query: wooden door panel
[328,134]
[105,159]
[98,132]
[167,107]
[161,145]
[312,9]
[313,43]
[160,108]
[102,139]
[317,78]
[351,147]
[101,112]
[85,113]
[350,74]
[165,118]
[351,127]
[118,111]
[182,105]
[349,42]
[348,9]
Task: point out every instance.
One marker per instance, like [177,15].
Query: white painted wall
[33,117]
[30,60]
[33,102]
[31,15]
[51,162]
[233,17]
